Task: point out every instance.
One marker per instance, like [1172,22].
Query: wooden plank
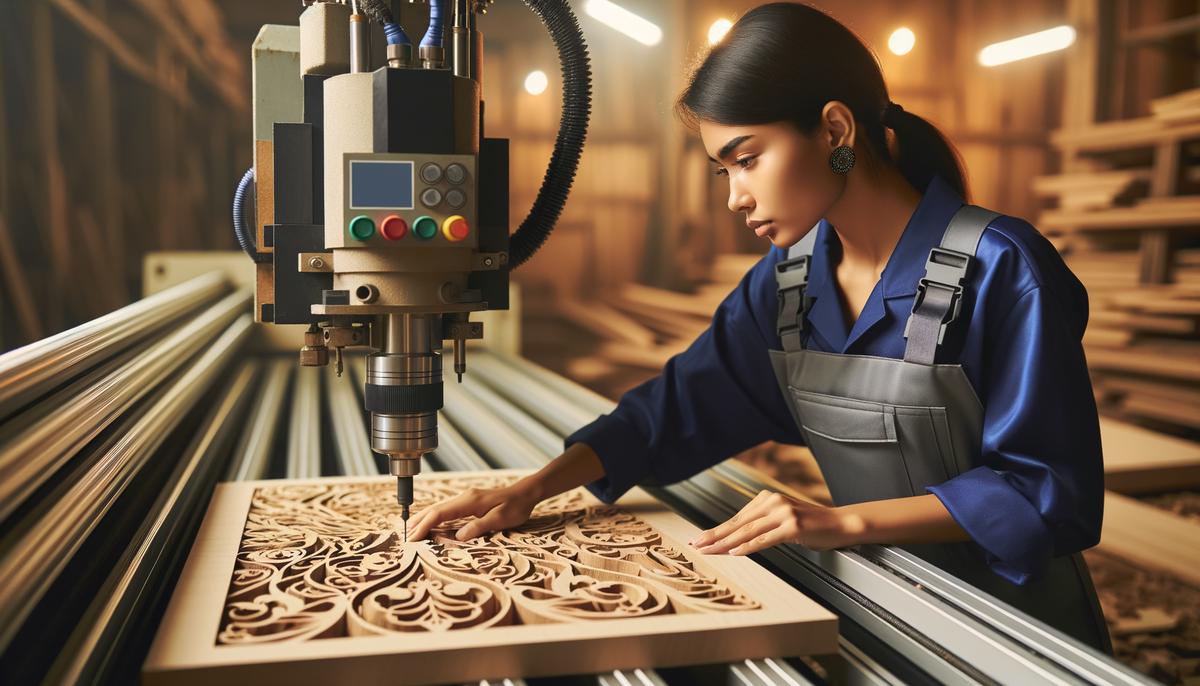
[1137,460]
[1163,410]
[670,300]
[1177,216]
[606,322]
[1143,322]
[669,324]
[308,582]
[1173,362]
[651,359]
[1163,31]
[1150,537]
[1085,190]
[1113,338]
[1123,134]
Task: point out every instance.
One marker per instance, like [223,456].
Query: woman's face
[779,177]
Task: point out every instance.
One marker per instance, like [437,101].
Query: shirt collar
[906,265]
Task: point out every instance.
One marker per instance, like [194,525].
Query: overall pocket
[873,451]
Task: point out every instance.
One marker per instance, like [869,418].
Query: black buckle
[946,269]
[792,278]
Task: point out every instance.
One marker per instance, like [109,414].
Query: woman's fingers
[495,520]
[471,502]
[747,531]
[783,532]
[748,513]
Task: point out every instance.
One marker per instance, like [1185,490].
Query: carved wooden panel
[310,581]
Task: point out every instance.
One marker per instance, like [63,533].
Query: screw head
[316,263]
[487,261]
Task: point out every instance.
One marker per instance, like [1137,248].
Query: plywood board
[1150,537]
[1138,460]
[308,581]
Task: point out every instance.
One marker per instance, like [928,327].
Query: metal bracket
[316,262]
[462,330]
[489,261]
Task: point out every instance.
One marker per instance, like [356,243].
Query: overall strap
[939,293]
[791,276]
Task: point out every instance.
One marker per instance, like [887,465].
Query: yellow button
[455,228]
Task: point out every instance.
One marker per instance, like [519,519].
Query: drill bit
[404,496]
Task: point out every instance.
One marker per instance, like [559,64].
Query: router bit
[404,496]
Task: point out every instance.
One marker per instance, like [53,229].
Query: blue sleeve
[710,402]
[1040,492]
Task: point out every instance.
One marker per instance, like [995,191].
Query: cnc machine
[382,208]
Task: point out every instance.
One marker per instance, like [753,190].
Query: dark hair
[783,61]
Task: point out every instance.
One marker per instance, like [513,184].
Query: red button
[455,228]
[393,227]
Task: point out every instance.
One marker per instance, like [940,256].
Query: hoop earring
[841,160]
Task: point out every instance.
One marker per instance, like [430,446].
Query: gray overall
[886,428]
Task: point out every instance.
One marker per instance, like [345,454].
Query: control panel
[397,200]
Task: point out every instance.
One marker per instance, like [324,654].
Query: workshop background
[125,126]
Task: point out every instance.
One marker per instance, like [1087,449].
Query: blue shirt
[1039,492]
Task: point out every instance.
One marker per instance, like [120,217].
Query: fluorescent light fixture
[1022,47]
[536,82]
[621,19]
[718,30]
[901,41]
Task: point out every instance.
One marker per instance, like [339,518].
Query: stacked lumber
[1179,108]
[1150,537]
[1127,220]
[1091,190]
[613,342]
[1139,461]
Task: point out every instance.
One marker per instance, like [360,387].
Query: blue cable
[240,230]
[433,35]
[395,34]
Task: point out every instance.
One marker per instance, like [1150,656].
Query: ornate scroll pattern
[325,560]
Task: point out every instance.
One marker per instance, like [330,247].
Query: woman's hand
[773,518]
[495,508]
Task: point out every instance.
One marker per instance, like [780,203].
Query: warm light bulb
[641,30]
[1022,47]
[718,30]
[536,82]
[901,41]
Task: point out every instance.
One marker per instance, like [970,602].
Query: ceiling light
[901,41]
[718,30]
[1022,47]
[536,82]
[621,19]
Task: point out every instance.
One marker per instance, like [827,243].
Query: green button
[425,227]
[361,227]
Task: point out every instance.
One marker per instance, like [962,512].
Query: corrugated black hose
[572,129]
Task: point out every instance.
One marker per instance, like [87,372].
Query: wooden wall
[122,125]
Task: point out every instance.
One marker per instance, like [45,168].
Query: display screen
[381,185]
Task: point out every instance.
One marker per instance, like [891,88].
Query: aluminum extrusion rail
[143,574]
[32,457]
[42,549]
[32,370]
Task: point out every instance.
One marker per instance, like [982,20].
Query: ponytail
[922,151]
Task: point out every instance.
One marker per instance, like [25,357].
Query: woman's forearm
[578,465]
[916,519]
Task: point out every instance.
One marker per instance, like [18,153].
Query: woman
[927,352]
